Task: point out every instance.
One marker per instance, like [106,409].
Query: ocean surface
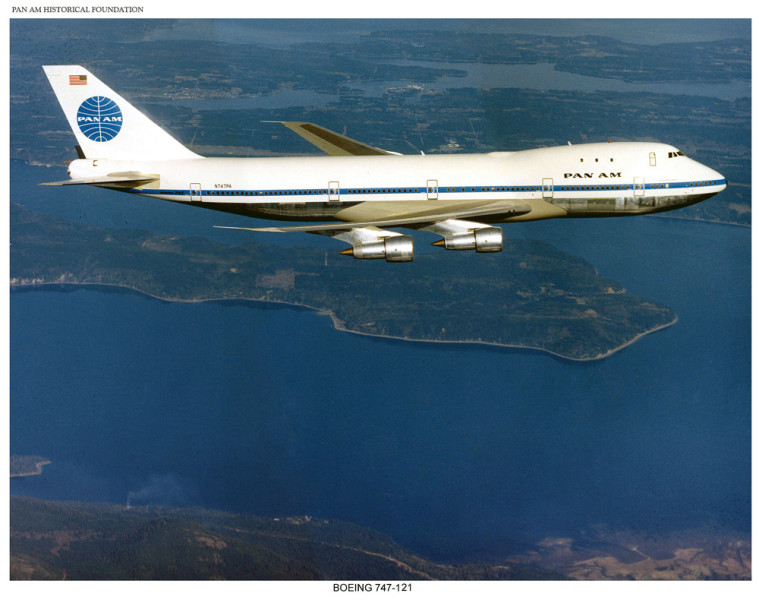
[458,452]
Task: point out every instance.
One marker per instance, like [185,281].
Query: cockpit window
[674,154]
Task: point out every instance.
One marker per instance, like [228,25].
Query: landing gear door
[195,193]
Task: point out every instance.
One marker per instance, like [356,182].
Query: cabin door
[334,191]
[547,188]
[195,193]
[639,186]
[432,189]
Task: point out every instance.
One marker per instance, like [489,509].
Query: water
[544,76]
[458,452]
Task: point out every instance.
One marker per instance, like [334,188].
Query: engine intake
[398,248]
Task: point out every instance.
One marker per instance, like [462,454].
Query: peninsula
[27,466]
[530,296]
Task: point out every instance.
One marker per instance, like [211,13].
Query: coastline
[337,323]
[37,469]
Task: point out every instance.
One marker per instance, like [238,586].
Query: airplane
[358,193]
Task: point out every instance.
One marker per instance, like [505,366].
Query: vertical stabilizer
[106,125]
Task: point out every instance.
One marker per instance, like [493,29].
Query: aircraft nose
[711,177]
[718,177]
[722,178]
[712,174]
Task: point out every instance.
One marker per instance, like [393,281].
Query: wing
[369,240]
[332,143]
[416,215]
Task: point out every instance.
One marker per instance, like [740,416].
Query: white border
[344,9]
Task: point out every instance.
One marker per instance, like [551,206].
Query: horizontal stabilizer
[332,143]
[502,209]
[119,179]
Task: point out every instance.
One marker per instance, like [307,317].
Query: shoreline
[38,469]
[338,327]
[337,324]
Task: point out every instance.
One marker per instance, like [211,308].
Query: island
[531,296]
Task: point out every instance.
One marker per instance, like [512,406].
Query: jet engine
[485,239]
[398,248]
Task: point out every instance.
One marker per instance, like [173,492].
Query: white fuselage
[582,180]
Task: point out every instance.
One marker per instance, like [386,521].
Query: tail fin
[106,125]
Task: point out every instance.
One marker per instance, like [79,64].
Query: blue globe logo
[99,118]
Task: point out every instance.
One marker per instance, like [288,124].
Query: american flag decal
[77,79]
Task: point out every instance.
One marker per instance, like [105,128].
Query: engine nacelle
[486,239]
[398,248]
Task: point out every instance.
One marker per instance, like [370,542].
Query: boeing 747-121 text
[362,190]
